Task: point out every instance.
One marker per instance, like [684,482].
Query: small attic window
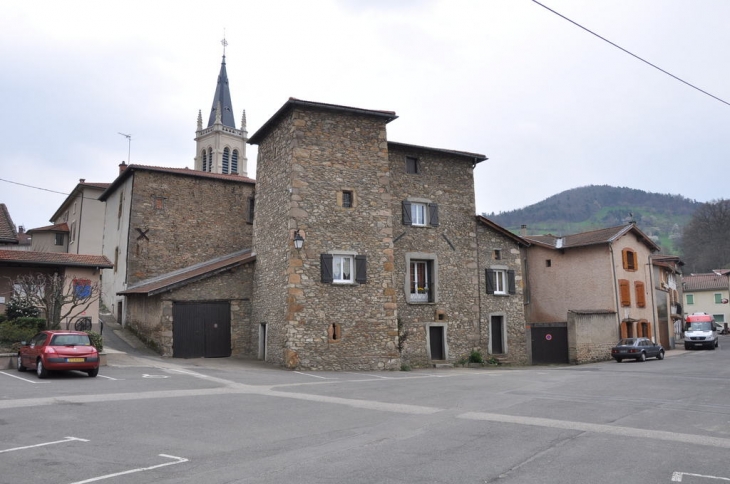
[548,263]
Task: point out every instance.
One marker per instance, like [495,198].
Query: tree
[61,297]
[706,238]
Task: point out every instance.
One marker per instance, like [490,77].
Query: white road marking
[314,376]
[677,476]
[178,460]
[600,428]
[67,439]
[373,376]
[108,377]
[24,379]
[145,375]
[188,372]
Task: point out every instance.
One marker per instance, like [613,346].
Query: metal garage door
[201,330]
[549,344]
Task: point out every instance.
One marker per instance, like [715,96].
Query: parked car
[59,350]
[638,349]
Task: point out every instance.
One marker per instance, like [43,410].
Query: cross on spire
[224,43]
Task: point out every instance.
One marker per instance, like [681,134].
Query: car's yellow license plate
[75,360]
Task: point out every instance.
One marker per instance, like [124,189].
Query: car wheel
[686,347]
[618,360]
[40,369]
[20,364]
[713,346]
[93,373]
[642,357]
[660,356]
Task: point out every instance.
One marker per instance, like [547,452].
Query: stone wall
[591,334]
[510,306]
[309,159]
[445,180]
[178,220]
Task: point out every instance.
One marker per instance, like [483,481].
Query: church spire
[222,96]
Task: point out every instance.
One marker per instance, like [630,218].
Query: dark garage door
[201,330]
[549,344]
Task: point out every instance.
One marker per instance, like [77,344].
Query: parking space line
[24,379]
[315,376]
[177,460]
[108,377]
[677,476]
[67,439]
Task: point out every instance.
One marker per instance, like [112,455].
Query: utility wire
[31,186]
[631,54]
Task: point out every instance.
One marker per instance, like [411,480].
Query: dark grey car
[638,349]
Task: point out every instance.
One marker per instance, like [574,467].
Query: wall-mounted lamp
[298,240]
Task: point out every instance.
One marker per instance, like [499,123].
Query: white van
[700,331]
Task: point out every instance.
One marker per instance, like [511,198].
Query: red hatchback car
[59,350]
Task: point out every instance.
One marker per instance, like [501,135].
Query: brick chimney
[122,167]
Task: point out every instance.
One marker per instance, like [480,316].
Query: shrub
[3,318]
[38,324]
[475,357]
[405,367]
[96,340]
[19,308]
[11,333]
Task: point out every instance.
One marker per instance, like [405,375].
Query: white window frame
[337,269]
[419,214]
[421,287]
[500,282]
[432,289]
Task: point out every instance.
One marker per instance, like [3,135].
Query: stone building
[359,253]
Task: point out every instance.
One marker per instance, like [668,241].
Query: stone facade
[151,317]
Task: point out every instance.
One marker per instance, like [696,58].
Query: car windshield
[699,326]
[71,339]
[627,342]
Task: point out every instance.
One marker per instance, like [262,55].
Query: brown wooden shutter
[625,292]
[640,294]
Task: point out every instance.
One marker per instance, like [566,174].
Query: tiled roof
[63,259]
[175,171]
[594,237]
[187,275]
[498,228]
[8,235]
[52,228]
[705,282]
[472,157]
[259,135]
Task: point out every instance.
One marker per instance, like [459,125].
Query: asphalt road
[146,419]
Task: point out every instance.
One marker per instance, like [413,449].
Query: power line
[631,54]
[31,186]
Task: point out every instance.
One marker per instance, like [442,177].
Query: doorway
[496,334]
[262,341]
[437,341]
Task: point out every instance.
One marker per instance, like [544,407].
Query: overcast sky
[550,105]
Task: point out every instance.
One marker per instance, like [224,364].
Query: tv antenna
[129,150]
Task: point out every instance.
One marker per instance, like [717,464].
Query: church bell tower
[220,147]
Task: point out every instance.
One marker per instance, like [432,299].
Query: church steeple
[222,97]
[220,147]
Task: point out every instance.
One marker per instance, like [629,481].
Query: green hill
[660,216]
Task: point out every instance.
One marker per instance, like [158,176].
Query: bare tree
[706,238]
[61,297]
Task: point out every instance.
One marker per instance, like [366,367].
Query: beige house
[604,272]
[708,293]
[79,270]
[83,214]
[667,285]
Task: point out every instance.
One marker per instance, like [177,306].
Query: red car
[59,350]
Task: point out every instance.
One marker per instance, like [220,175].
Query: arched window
[210,159]
[234,162]
[226,157]
[205,160]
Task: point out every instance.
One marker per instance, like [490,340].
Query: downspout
[479,283]
[653,304]
[81,217]
[615,288]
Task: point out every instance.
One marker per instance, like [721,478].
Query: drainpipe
[653,304]
[479,284]
[615,288]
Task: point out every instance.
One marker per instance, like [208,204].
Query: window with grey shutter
[325,262]
[407,213]
[489,274]
[433,214]
[361,269]
[511,282]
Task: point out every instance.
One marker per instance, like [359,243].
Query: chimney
[82,180]
[523,230]
[122,167]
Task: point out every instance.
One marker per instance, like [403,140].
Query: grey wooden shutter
[325,261]
[489,274]
[433,214]
[511,282]
[361,276]
[407,213]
